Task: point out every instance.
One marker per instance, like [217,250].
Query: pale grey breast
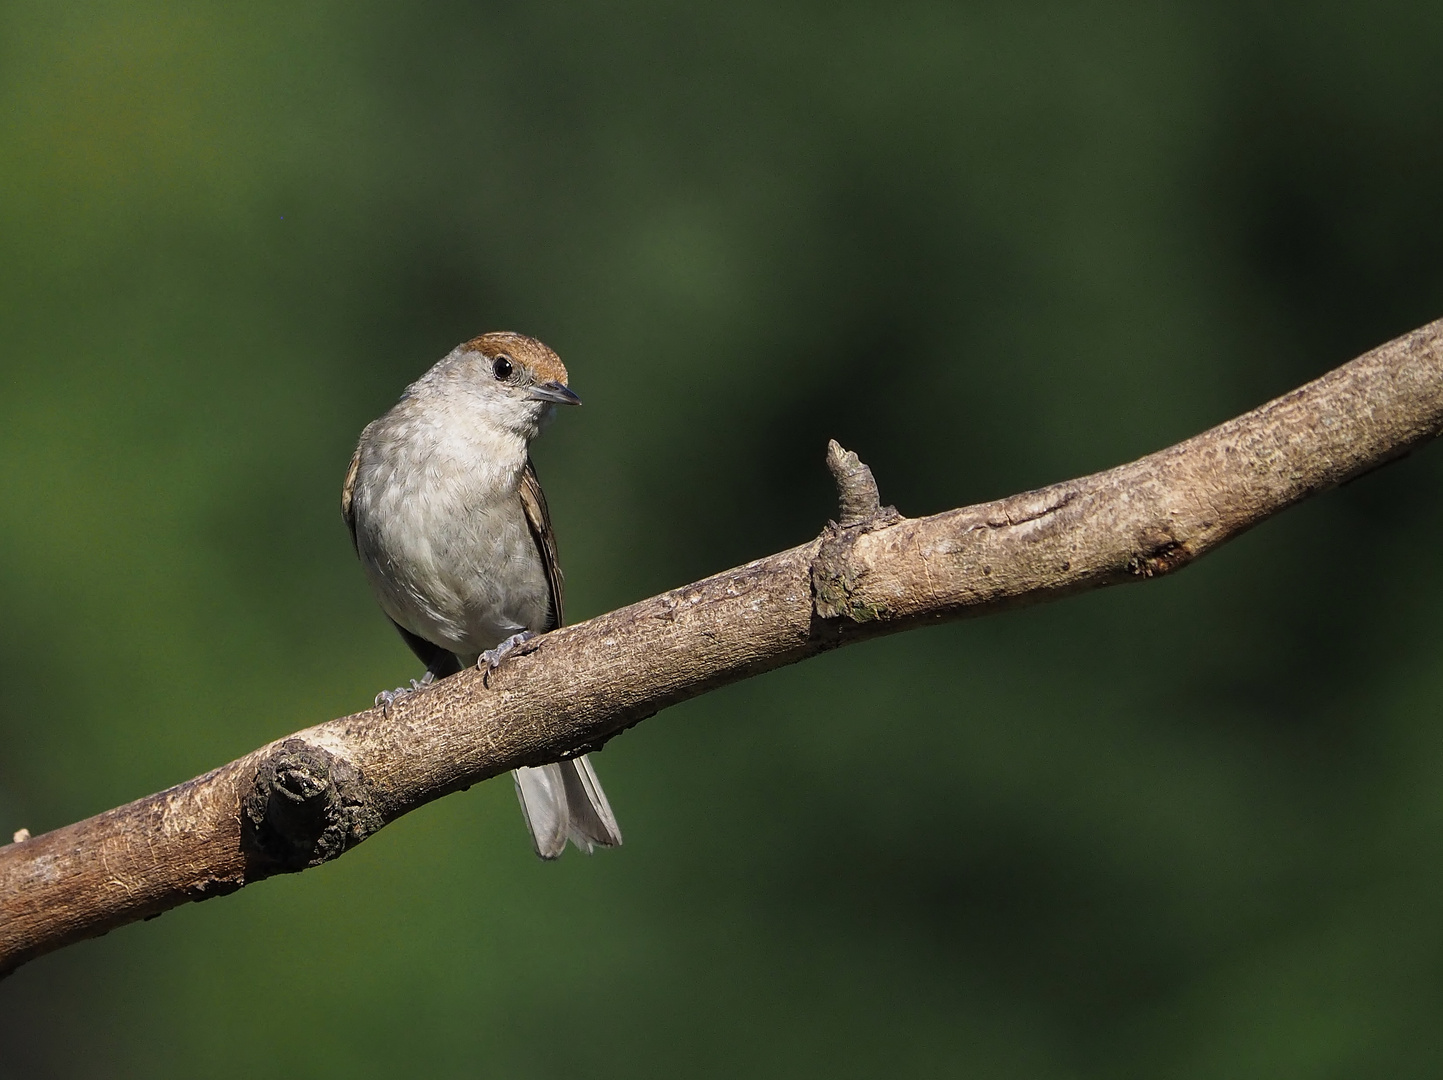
[440,518]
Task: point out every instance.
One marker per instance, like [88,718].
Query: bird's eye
[502,366]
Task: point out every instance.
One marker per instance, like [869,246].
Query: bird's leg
[385,697]
[491,659]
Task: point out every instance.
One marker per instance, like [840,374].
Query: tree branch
[308,798]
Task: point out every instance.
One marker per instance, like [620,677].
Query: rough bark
[309,797]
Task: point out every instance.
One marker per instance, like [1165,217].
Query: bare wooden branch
[311,796]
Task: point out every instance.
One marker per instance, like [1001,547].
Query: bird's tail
[565,800]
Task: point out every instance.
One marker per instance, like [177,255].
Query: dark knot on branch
[307,806]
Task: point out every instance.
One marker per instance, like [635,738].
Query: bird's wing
[348,491]
[563,799]
[537,517]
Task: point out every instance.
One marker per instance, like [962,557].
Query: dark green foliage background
[1191,829]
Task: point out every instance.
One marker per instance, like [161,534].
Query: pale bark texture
[307,798]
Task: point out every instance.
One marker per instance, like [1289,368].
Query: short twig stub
[860,510]
[856,487]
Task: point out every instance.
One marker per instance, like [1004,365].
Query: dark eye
[502,366]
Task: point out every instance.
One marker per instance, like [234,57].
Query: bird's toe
[491,658]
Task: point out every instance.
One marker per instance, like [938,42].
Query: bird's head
[515,380]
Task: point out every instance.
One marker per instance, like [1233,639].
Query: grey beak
[554,391]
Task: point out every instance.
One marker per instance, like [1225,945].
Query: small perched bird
[452,530]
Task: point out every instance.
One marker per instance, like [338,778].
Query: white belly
[449,553]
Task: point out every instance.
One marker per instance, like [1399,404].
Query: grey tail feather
[564,800]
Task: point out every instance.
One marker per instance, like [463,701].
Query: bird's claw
[385,698]
[491,658]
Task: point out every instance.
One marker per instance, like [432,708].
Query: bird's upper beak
[555,391]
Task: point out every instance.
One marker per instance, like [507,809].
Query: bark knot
[1160,553]
[306,807]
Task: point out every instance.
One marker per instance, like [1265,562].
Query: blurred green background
[1191,829]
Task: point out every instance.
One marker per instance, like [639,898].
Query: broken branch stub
[834,570]
[306,806]
[857,493]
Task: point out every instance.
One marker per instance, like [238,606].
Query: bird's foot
[386,697]
[491,659]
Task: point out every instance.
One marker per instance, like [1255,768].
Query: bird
[451,527]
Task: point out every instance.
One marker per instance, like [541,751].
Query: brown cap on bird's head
[522,350]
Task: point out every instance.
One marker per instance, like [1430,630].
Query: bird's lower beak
[554,391]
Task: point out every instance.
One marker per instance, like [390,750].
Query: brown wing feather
[537,516]
[348,491]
